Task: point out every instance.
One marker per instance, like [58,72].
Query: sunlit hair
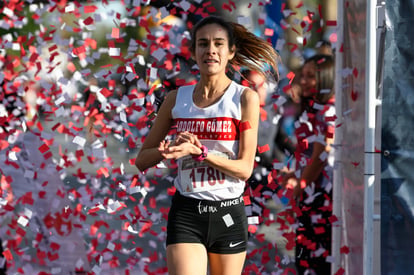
[325,76]
[252,52]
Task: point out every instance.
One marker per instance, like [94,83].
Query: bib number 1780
[205,177]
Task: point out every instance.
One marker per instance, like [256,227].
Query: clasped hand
[185,143]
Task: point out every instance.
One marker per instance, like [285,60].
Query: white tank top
[217,128]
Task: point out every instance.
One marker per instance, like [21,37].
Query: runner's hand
[174,151]
[187,137]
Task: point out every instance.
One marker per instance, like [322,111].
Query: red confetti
[115,33]
[226,7]
[354,95]
[331,23]
[252,228]
[20,231]
[333,219]
[245,126]
[355,72]
[269,32]
[319,230]
[293,46]
[344,249]
[291,75]
[263,148]
[3,144]
[8,255]
[340,271]
[88,21]
[89,9]
[355,164]
[246,200]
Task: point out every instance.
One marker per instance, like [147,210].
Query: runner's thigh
[226,264]
[186,259]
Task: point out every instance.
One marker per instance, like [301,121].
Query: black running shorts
[221,226]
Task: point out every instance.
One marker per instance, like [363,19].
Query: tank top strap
[184,94]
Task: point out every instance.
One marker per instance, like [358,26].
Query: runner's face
[308,80]
[212,51]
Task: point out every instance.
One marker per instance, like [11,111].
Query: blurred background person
[324,47]
[274,143]
[272,105]
[311,183]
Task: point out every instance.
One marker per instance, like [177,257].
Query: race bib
[199,176]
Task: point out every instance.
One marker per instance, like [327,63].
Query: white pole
[381,32]
[370,106]
[338,167]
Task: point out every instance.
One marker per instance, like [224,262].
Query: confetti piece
[264,148]
[8,255]
[253,220]
[88,21]
[43,148]
[114,52]
[269,32]
[355,72]
[344,249]
[354,95]
[228,220]
[244,20]
[79,141]
[245,126]
[331,23]
[89,9]
[23,221]
[115,33]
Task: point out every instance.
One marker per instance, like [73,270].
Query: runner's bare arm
[149,155]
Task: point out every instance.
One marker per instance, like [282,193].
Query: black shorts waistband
[223,203]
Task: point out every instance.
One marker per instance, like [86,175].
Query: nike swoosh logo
[235,244]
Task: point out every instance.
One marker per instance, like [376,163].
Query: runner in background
[311,181]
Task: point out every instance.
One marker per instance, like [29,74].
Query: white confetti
[278,165]
[29,174]
[56,270]
[22,221]
[79,141]
[253,220]
[12,155]
[244,20]
[114,51]
[159,54]
[228,220]
[60,100]
[96,269]
[323,156]
[70,7]
[60,112]
[16,47]
[8,12]
[111,246]
[185,5]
